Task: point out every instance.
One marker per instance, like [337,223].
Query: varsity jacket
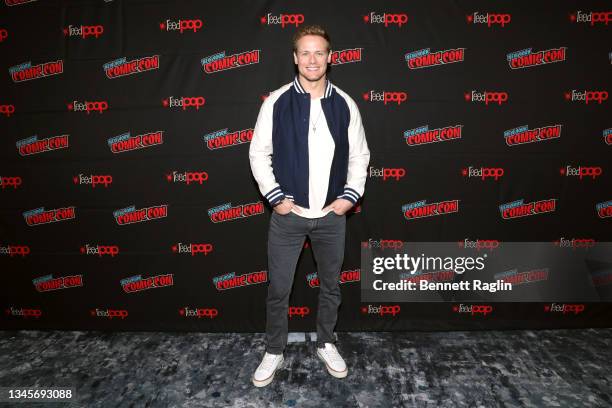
[278,152]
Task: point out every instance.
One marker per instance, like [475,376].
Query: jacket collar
[298,87]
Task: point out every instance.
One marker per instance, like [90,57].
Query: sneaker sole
[268,380]
[334,373]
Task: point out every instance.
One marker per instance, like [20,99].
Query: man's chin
[312,76]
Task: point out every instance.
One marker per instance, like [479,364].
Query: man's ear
[295,61]
[329,56]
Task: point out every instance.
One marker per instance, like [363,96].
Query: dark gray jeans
[286,238]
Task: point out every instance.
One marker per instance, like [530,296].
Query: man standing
[309,156]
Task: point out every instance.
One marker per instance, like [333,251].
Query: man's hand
[340,206]
[285,207]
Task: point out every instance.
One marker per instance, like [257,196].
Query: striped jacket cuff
[350,194]
[275,196]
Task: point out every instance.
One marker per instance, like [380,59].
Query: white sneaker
[333,360]
[265,372]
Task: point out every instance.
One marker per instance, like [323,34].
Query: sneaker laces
[331,351]
[268,361]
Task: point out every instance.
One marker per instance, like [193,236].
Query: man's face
[312,57]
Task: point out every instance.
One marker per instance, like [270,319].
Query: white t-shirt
[320,155]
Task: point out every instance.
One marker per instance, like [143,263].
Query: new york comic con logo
[489,19]
[137,283]
[232,281]
[604,209]
[515,277]
[522,134]
[32,145]
[345,276]
[222,138]
[426,59]
[15,250]
[221,62]
[41,216]
[586,96]
[7,110]
[433,276]
[347,56]
[283,19]
[388,19]
[420,209]
[187,25]
[131,215]
[88,106]
[83,31]
[48,283]
[122,67]
[17,2]
[518,208]
[26,71]
[126,142]
[591,17]
[199,312]
[228,212]
[527,58]
[10,181]
[184,102]
[423,135]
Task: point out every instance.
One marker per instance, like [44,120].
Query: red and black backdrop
[127,201]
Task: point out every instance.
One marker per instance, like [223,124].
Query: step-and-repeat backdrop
[127,200]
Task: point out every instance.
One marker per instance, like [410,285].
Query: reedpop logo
[184,102]
[7,181]
[181,26]
[387,19]
[385,97]
[581,171]
[99,250]
[483,173]
[192,248]
[88,106]
[7,110]
[199,312]
[282,19]
[187,177]
[387,173]
[565,308]
[93,180]
[473,310]
[490,19]
[586,96]
[83,31]
[488,97]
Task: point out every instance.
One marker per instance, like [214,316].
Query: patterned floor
[526,368]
